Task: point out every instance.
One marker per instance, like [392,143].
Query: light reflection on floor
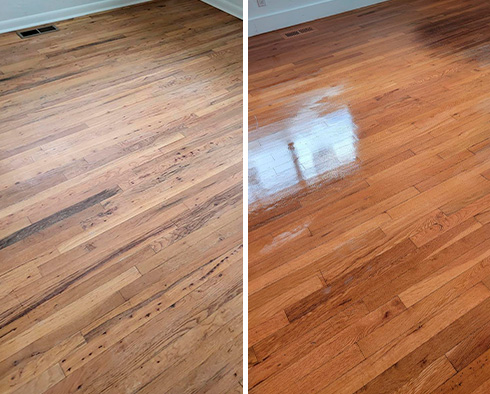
[316,144]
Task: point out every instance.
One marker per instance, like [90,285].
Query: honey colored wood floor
[369,199]
[121,204]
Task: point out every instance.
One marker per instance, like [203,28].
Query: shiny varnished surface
[370,202]
[121,204]
[317,142]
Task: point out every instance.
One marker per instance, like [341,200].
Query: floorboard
[121,203]
[369,202]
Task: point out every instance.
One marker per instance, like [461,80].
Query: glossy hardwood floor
[121,204]
[370,202]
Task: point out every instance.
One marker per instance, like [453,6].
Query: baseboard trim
[279,20]
[227,7]
[63,14]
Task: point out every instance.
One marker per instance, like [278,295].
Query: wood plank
[121,202]
[393,352]
[368,165]
[414,365]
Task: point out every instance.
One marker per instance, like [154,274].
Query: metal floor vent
[37,31]
[298,32]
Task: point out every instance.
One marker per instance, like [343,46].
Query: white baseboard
[63,14]
[265,23]
[227,6]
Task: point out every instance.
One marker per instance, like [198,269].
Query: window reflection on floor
[315,144]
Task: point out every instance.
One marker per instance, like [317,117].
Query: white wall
[20,14]
[233,7]
[284,13]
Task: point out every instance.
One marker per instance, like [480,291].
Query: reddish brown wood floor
[370,202]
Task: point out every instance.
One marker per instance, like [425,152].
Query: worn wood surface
[121,203]
[369,186]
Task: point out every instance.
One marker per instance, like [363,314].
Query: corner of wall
[227,6]
[63,14]
[309,12]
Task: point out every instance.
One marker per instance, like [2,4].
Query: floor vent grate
[37,31]
[298,32]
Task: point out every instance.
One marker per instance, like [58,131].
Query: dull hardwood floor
[369,199]
[121,203]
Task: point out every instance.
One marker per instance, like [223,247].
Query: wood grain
[369,201]
[121,203]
